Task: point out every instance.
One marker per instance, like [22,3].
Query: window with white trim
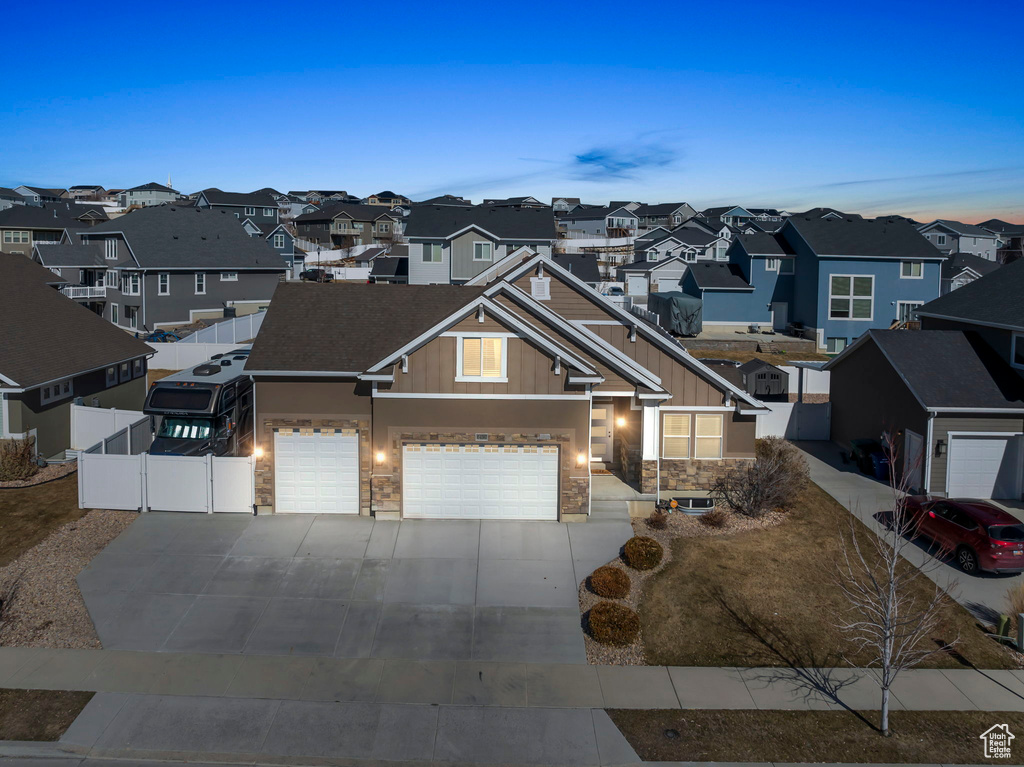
[229,276]
[835,345]
[112,374]
[131,316]
[250,211]
[279,240]
[163,284]
[16,237]
[431,254]
[653,255]
[907,310]
[110,248]
[113,314]
[481,358]
[771,264]
[56,391]
[130,284]
[940,239]
[675,435]
[911,270]
[200,283]
[482,251]
[851,297]
[708,430]
[268,211]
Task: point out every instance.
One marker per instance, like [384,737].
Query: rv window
[180,399]
[185,428]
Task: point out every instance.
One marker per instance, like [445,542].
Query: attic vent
[225,363]
[206,370]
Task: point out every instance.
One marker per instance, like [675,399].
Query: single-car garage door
[316,472]
[984,467]
[480,481]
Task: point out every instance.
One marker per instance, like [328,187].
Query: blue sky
[869,107]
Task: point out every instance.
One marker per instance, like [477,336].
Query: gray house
[147,194]
[668,214]
[37,195]
[22,226]
[963,268]
[610,221]
[344,225]
[258,207]
[448,244]
[957,237]
[167,266]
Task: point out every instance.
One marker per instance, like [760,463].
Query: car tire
[967,560]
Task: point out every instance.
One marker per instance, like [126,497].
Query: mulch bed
[42,715]
[45,474]
[679,526]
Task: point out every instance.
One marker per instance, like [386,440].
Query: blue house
[837,277]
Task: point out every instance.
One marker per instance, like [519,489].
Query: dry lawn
[768,598]
[935,737]
[30,514]
[776,358]
[39,714]
[153,376]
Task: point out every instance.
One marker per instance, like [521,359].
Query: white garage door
[480,481]
[984,467]
[636,284]
[316,472]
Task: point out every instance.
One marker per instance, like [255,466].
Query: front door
[602,434]
[780,315]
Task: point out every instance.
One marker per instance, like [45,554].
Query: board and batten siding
[432,370]
[463,265]
[566,301]
[942,425]
[421,273]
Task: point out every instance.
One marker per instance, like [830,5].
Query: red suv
[980,536]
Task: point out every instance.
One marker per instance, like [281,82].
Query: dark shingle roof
[51,215]
[957,262]
[865,238]
[28,268]
[582,265]
[370,254]
[763,244]
[250,199]
[995,299]
[356,211]
[591,214]
[961,228]
[152,186]
[78,254]
[951,368]
[47,336]
[646,266]
[390,266]
[446,199]
[718,276]
[173,236]
[1004,227]
[377,320]
[505,223]
[659,209]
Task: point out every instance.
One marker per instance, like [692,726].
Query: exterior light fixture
[940,447]
[380,456]
[620,421]
[257,452]
[581,458]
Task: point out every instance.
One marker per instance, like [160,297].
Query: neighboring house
[343,225]
[827,213]
[689,243]
[951,402]
[583,266]
[485,402]
[388,199]
[35,195]
[962,268]
[652,276]
[168,265]
[453,245]
[514,202]
[54,352]
[390,269]
[9,198]
[564,204]
[667,214]
[1009,239]
[446,199]
[617,221]
[279,238]
[147,195]
[957,237]
[367,257]
[90,193]
[258,207]
[22,226]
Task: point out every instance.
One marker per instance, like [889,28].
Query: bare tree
[895,607]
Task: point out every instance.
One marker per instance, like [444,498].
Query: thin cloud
[923,177]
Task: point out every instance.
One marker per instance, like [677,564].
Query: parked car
[614,291]
[979,535]
[316,275]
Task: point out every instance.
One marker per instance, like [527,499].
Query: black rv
[204,410]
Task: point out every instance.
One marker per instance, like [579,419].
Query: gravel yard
[47,608]
[45,474]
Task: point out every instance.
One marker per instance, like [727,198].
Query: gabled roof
[388,195]
[446,199]
[718,275]
[520,224]
[215,196]
[957,227]
[152,186]
[50,215]
[355,211]
[43,191]
[187,238]
[659,209]
[47,336]
[864,238]
[692,236]
[996,299]
[819,212]
[1003,227]
[946,370]
[369,254]
[592,214]
[958,262]
[9,194]
[649,266]
[764,244]
[390,266]
[70,254]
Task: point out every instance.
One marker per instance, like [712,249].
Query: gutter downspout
[927,480]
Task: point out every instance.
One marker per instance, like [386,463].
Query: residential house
[583,266]
[1009,239]
[617,221]
[653,275]
[168,265]
[279,238]
[321,196]
[343,225]
[9,198]
[387,198]
[37,195]
[564,204]
[957,237]
[54,352]
[485,402]
[449,244]
[446,199]
[258,207]
[366,257]
[90,193]
[827,213]
[147,195]
[953,404]
[514,202]
[962,268]
[22,226]
[667,214]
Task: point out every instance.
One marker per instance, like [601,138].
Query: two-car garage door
[984,466]
[480,481]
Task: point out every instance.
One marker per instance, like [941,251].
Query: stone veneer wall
[265,465]
[574,492]
[687,475]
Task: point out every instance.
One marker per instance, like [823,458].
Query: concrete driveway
[348,587]
[984,594]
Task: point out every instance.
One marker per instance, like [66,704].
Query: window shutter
[471,356]
[491,357]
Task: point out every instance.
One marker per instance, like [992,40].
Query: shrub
[613,624]
[17,459]
[1015,604]
[643,553]
[771,482]
[658,520]
[609,582]
[714,518]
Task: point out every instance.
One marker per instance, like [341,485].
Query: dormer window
[652,255]
[481,358]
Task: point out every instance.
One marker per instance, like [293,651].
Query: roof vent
[206,370]
[225,363]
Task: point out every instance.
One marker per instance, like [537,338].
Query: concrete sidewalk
[509,685]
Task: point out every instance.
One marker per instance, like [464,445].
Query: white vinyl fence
[796,420]
[815,381]
[90,425]
[178,356]
[144,482]
[233,331]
